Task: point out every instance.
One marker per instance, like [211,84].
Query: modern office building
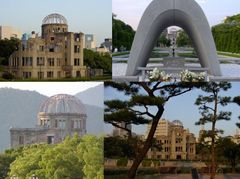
[90,42]
[177,143]
[8,32]
[59,116]
[57,53]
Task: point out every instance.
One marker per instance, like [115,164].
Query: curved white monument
[161,14]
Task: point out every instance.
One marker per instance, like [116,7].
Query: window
[56,123]
[52,38]
[58,61]
[21,140]
[41,48]
[50,74]
[76,49]
[78,74]
[40,61]
[27,74]
[59,74]
[50,139]
[40,75]
[76,62]
[50,61]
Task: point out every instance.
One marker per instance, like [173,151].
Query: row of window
[28,61]
[61,124]
[50,74]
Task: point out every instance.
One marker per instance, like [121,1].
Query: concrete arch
[161,14]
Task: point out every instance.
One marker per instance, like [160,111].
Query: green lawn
[120,53]
[229,54]
[188,55]
[96,78]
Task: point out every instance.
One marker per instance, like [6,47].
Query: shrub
[122,162]
[146,163]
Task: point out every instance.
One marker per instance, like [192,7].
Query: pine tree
[141,97]
[209,109]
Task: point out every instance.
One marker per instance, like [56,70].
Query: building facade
[57,53]
[8,32]
[59,116]
[177,143]
[90,42]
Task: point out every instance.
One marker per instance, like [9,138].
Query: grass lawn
[96,78]
[229,54]
[188,55]
[119,54]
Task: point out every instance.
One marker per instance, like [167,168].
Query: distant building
[57,53]
[177,143]
[90,42]
[107,44]
[8,32]
[59,116]
[120,132]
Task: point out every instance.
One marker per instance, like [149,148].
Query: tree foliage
[163,41]
[183,39]
[7,47]
[227,36]
[96,60]
[229,151]
[73,158]
[123,34]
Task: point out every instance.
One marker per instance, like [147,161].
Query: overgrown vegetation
[97,60]
[123,35]
[73,158]
[227,35]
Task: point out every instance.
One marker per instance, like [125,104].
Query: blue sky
[130,11]
[87,16]
[182,108]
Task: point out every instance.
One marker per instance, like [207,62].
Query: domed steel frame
[63,104]
[177,123]
[54,19]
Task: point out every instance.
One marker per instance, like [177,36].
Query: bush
[146,163]
[7,76]
[156,163]
[122,162]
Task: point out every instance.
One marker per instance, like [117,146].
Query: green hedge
[122,162]
[146,163]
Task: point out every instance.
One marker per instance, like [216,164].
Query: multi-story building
[57,53]
[8,32]
[90,42]
[120,132]
[177,143]
[59,116]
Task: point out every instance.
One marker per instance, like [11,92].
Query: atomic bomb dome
[177,123]
[54,19]
[62,103]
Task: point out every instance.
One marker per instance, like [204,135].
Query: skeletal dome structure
[177,123]
[63,112]
[63,103]
[54,19]
[54,23]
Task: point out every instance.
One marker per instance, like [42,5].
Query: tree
[143,96]
[237,101]
[123,35]
[73,158]
[183,39]
[163,41]
[96,60]
[209,110]
[7,47]
[90,151]
[229,150]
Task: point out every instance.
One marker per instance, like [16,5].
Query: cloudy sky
[130,11]
[51,88]
[87,16]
